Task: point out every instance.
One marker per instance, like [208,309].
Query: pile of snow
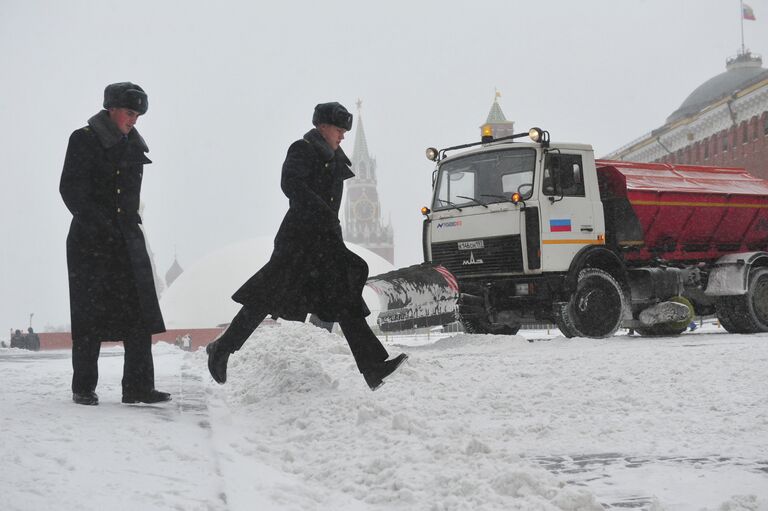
[308,412]
[533,422]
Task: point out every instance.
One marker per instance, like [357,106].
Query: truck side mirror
[565,178]
[548,183]
[577,175]
[551,181]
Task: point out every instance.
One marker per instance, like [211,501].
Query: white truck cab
[514,208]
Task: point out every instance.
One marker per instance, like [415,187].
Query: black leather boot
[376,375]
[148,396]
[85,398]
[218,356]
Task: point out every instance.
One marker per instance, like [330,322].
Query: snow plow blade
[417,296]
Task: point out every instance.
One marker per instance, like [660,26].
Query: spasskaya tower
[363,225]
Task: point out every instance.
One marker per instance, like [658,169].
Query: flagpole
[741,16]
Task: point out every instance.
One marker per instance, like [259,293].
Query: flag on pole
[747,13]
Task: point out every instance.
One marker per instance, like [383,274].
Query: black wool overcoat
[311,270]
[112,292]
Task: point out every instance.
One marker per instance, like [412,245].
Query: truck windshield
[485,178]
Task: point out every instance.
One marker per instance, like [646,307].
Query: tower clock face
[364,209]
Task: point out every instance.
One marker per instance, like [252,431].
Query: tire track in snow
[192,401]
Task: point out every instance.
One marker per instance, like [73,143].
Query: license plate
[471,245]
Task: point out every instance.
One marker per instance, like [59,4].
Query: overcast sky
[232,84]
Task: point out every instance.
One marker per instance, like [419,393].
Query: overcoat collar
[325,152]
[109,135]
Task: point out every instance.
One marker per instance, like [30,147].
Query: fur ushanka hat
[126,95]
[332,113]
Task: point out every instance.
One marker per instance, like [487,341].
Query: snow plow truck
[521,233]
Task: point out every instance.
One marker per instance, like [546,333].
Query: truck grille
[497,255]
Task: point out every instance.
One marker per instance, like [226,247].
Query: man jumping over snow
[311,270]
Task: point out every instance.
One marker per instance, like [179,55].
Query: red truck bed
[688,212]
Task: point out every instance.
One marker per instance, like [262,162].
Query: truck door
[567,210]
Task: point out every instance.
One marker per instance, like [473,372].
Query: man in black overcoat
[311,271]
[112,293]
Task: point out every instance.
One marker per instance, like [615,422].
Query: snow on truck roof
[684,178]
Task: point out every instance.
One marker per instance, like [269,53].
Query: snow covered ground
[529,422]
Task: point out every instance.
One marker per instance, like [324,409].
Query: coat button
[118,172]
[118,190]
[327,165]
[118,210]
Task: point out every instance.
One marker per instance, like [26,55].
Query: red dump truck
[525,233]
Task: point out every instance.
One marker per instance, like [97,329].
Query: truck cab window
[520,183]
[486,178]
[455,186]
[563,175]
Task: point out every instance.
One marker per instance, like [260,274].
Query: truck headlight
[431,153]
[539,136]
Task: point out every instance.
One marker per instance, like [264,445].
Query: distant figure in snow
[17,340]
[311,270]
[111,285]
[33,340]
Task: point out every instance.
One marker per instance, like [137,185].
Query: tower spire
[362,211]
[497,120]
[360,149]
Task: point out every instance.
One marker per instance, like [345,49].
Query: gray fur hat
[126,95]
[332,113]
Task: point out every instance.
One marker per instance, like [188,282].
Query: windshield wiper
[449,203]
[483,204]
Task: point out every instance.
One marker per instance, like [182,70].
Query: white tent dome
[201,296]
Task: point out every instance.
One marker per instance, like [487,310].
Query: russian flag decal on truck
[560,225]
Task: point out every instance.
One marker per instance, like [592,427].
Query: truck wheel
[564,320]
[725,314]
[747,313]
[676,328]
[595,309]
